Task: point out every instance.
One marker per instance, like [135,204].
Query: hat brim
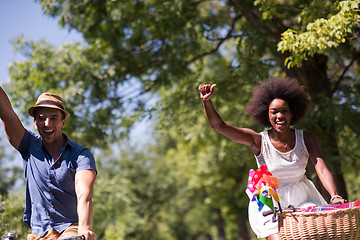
[32,109]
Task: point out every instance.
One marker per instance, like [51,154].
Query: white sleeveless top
[289,167]
[294,188]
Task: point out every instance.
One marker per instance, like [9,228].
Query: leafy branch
[320,35]
[221,41]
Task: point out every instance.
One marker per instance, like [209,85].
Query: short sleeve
[27,143]
[86,161]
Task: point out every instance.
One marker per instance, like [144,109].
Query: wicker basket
[332,224]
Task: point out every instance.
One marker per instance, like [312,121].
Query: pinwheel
[262,187]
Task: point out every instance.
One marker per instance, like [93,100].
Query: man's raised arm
[12,124]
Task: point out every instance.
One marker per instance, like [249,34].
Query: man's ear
[35,124]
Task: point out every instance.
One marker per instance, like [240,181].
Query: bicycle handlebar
[74,238]
[9,236]
[12,236]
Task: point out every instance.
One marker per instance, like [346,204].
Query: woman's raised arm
[241,135]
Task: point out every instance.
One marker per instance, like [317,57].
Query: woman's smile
[279,114]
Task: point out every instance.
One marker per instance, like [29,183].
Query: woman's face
[280,115]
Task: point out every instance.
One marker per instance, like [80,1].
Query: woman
[278,104]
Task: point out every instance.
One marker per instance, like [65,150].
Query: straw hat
[49,100]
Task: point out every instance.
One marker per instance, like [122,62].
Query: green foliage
[88,86]
[11,214]
[321,35]
[145,59]
[147,39]
[142,195]
[10,173]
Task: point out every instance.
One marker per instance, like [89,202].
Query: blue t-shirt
[50,186]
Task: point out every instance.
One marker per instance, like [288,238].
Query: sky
[26,17]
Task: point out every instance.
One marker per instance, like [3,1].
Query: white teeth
[48,131]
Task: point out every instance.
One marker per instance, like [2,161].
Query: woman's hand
[206,91]
[337,199]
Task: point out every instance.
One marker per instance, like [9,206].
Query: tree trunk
[220,224]
[243,229]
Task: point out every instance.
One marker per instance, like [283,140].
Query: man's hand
[89,235]
[206,91]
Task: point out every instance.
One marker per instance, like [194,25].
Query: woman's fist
[206,91]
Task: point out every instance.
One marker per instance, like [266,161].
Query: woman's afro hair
[287,89]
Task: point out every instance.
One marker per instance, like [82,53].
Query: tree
[11,215]
[142,195]
[169,47]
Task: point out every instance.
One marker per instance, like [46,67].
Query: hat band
[49,102]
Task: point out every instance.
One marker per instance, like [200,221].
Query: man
[60,174]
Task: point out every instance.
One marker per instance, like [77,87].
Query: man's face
[49,122]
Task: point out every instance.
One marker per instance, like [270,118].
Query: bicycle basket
[320,225]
